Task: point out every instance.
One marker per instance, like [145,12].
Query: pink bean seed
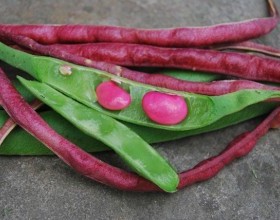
[111,96]
[164,108]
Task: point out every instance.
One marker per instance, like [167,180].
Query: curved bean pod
[97,170]
[206,169]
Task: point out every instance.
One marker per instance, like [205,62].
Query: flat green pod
[137,153]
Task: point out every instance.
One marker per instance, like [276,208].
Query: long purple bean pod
[214,88]
[170,37]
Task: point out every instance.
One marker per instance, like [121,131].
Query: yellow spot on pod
[65,70]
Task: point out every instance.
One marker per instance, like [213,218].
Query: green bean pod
[191,76]
[138,154]
[80,84]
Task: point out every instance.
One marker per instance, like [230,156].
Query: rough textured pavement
[45,188]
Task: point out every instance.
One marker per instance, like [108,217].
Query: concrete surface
[45,188]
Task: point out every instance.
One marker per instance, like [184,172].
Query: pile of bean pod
[96,82]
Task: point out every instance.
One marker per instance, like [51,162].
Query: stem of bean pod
[272,8]
[9,125]
[250,46]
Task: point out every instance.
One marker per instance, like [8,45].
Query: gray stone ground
[45,188]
